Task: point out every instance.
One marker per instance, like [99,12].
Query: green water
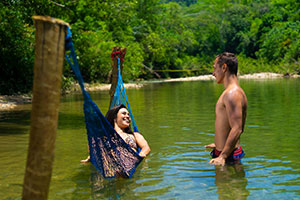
[177,119]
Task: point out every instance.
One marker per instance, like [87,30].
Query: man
[231,111]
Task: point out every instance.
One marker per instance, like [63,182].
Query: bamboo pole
[49,59]
[152,71]
[118,52]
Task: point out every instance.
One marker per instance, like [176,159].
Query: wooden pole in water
[49,59]
[118,52]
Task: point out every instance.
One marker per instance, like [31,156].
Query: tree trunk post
[49,59]
[118,52]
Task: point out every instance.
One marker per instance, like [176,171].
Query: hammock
[109,153]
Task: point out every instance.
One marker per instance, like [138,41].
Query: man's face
[218,72]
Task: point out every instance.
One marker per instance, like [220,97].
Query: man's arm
[234,111]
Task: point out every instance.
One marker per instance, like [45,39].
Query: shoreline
[10,102]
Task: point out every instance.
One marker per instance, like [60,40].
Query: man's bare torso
[222,124]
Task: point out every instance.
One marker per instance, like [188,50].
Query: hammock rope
[109,153]
[120,97]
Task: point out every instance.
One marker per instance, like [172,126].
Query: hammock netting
[109,153]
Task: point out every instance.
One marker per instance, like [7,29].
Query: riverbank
[11,102]
[8,102]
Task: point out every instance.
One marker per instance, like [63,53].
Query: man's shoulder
[234,93]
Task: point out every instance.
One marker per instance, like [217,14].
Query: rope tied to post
[118,54]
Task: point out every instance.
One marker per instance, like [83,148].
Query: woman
[119,118]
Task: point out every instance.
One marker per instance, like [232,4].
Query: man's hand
[210,146]
[217,161]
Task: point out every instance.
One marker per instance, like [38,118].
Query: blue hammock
[109,153]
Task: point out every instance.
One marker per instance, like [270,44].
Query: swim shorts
[235,156]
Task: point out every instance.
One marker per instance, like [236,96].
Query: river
[177,120]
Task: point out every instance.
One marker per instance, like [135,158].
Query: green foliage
[133,64]
[67,83]
[249,65]
[181,2]
[16,54]
[159,34]
[282,43]
[93,54]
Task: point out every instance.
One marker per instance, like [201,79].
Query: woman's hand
[88,159]
[142,154]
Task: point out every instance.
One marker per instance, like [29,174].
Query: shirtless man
[231,111]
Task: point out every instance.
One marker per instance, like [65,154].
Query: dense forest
[180,35]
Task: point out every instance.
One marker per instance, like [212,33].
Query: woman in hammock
[119,118]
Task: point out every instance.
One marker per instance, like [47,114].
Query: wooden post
[49,59]
[118,52]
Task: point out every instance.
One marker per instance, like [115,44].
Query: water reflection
[14,122]
[231,182]
[121,188]
[100,187]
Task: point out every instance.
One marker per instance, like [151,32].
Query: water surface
[177,119]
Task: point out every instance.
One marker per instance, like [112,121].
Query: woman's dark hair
[111,115]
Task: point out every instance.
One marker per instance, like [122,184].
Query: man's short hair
[230,60]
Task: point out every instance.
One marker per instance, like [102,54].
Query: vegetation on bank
[159,34]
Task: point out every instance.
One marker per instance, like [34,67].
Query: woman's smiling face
[123,119]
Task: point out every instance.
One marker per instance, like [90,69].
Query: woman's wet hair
[230,60]
[112,114]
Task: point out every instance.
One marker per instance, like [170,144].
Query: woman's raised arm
[142,143]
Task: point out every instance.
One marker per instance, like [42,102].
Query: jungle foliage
[159,34]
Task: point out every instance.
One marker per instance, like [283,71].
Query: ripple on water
[186,129]
[164,127]
[272,178]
